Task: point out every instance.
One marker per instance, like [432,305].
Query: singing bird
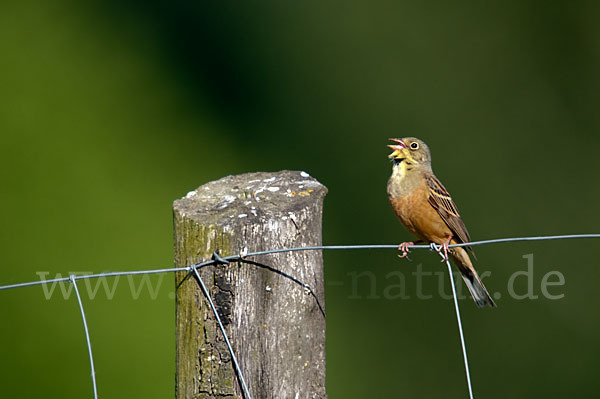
[427,211]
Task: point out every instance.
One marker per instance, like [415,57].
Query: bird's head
[410,152]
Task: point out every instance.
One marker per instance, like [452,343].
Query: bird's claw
[442,249]
[405,250]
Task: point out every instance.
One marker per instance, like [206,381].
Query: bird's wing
[441,201]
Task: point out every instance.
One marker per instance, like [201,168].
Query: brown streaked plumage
[427,211]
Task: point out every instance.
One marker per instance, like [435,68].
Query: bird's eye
[414,145]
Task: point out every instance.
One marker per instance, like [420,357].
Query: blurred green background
[110,110]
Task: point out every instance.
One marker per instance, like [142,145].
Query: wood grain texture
[276,326]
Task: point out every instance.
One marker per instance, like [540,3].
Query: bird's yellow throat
[399,171]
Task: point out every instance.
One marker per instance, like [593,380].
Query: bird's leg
[404,248]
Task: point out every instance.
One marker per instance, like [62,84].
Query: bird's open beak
[397,148]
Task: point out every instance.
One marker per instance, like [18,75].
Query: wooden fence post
[275,324]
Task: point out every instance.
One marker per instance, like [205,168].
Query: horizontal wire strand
[283,250]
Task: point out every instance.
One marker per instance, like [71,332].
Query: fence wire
[463,346]
[87,335]
[193,270]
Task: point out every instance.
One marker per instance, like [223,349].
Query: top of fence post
[272,308]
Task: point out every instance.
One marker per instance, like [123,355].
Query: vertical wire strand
[458,319]
[460,329]
[238,370]
[87,335]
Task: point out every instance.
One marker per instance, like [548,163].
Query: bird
[426,209]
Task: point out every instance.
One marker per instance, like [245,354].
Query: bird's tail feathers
[476,288]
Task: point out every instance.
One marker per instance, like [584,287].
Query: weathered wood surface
[276,326]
